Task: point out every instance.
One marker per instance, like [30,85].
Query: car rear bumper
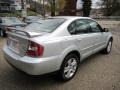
[32,66]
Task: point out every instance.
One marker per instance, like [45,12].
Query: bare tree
[69,8]
[52,6]
[111,7]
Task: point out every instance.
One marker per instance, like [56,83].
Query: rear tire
[69,67]
[107,50]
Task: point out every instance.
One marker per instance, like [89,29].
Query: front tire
[69,67]
[107,50]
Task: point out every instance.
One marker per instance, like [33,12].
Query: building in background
[4,5]
[10,5]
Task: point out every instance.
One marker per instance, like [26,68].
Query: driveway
[98,72]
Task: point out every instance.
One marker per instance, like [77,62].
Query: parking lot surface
[98,72]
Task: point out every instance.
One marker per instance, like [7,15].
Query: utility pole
[43,9]
[52,7]
[36,7]
[24,9]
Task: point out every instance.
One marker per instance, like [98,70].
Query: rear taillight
[34,49]
[7,28]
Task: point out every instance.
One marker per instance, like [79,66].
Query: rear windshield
[47,25]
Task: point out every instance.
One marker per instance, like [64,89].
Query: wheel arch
[63,63]
[76,52]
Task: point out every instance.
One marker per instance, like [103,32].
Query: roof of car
[70,17]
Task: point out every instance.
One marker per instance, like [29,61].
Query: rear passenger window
[82,26]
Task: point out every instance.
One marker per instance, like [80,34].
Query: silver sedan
[56,44]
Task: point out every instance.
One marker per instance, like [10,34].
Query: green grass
[17,13]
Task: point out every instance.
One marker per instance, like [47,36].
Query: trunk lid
[18,40]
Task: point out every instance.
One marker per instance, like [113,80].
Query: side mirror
[105,30]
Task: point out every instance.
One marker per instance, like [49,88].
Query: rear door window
[82,27]
[79,26]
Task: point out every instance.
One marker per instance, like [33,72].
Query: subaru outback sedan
[56,44]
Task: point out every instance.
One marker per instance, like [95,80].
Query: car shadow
[90,59]
[21,79]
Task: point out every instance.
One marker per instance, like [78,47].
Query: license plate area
[13,44]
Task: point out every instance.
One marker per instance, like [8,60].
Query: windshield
[11,20]
[47,25]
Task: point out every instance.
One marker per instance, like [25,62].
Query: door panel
[85,43]
[97,31]
[84,37]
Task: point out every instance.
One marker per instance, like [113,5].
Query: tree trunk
[52,7]
[69,9]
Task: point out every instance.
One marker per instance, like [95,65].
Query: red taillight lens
[34,49]
[7,28]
